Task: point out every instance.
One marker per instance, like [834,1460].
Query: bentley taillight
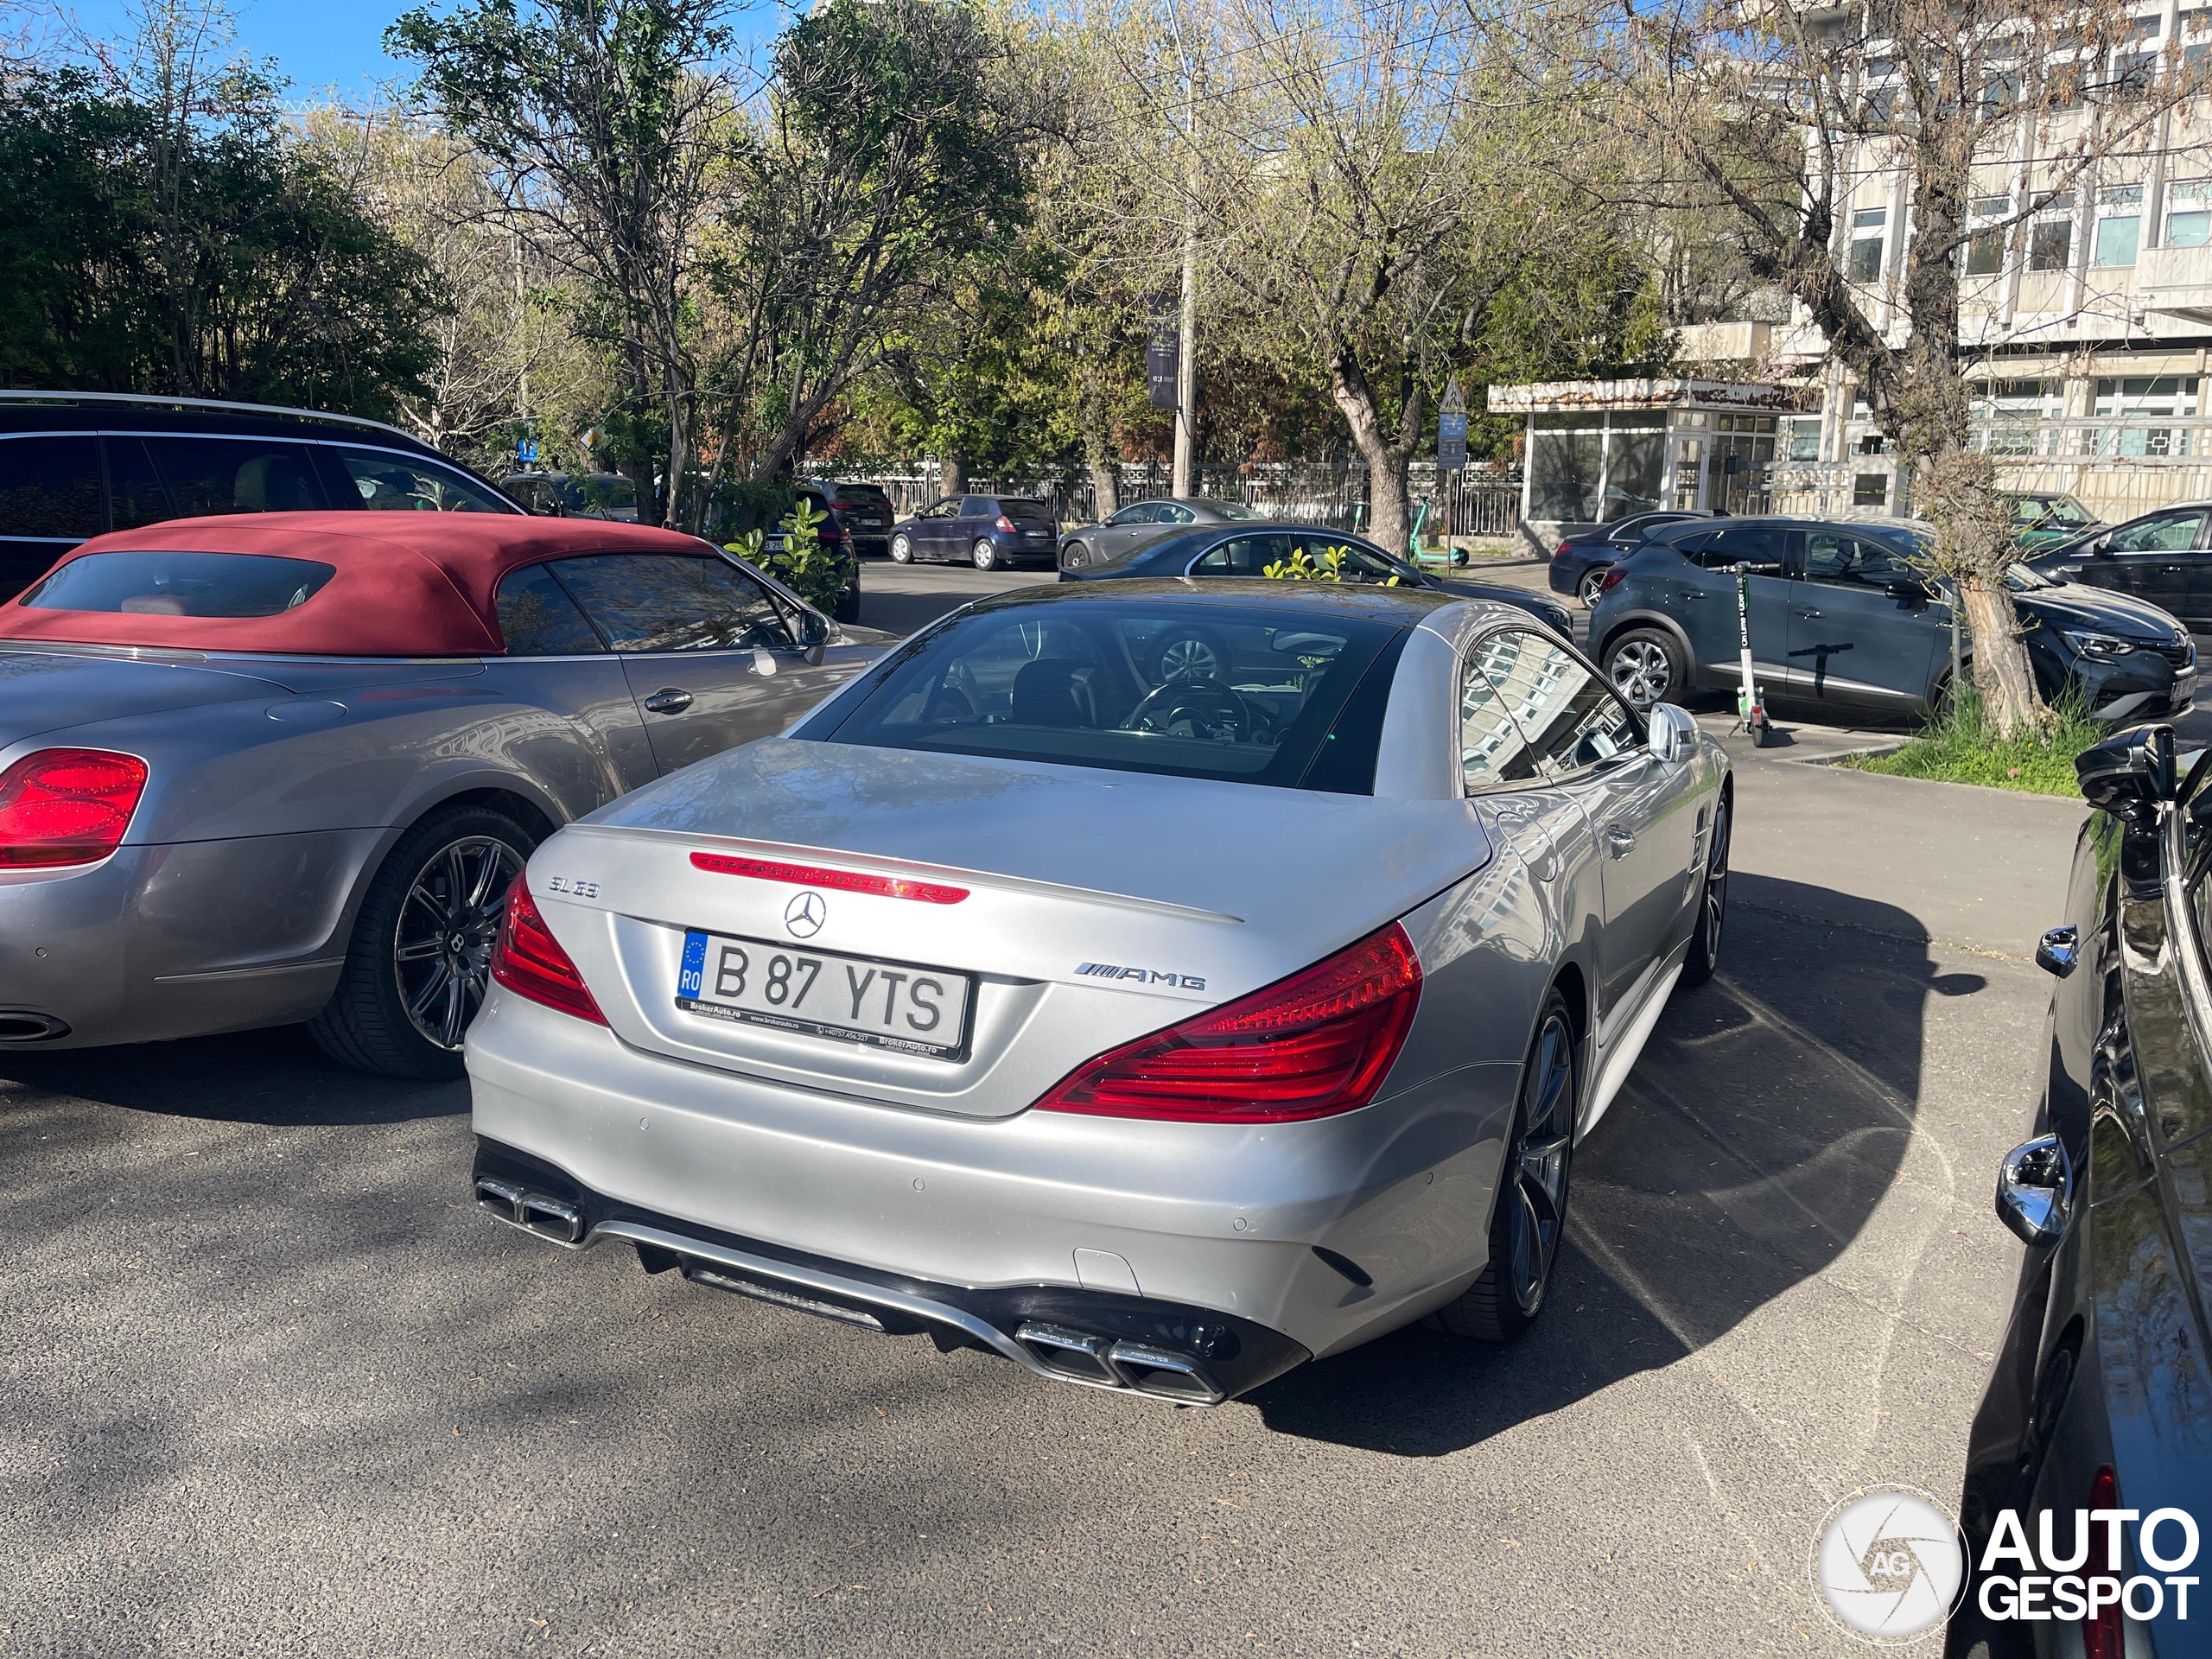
[530,961]
[1318,1043]
[67,806]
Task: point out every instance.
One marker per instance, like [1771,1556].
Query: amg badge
[1142,976]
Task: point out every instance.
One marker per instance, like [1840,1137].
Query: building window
[1985,253]
[2188,212]
[1866,233]
[1870,444]
[2050,245]
[2120,222]
[1870,489]
[1805,439]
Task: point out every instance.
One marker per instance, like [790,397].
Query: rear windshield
[181,584]
[1254,694]
[1014,509]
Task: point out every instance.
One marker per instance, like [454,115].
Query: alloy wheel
[985,555]
[1538,1216]
[1715,912]
[902,551]
[1189,657]
[1593,584]
[1640,672]
[442,944]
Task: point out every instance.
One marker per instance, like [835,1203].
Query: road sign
[526,450]
[1162,359]
[1451,428]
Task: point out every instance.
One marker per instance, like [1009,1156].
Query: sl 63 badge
[569,884]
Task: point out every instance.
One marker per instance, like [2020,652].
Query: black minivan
[75,464]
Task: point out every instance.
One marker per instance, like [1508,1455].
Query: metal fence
[1333,494]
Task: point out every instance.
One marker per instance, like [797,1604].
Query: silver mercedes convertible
[283,767]
[1158,1034]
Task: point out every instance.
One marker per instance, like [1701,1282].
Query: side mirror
[1673,733]
[2035,1190]
[2129,775]
[2099,548]
[813,636]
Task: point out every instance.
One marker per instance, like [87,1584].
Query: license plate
[898,1004]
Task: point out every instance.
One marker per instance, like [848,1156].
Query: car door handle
[1809,615]
[669,700]
[1619,840]
[1692,592]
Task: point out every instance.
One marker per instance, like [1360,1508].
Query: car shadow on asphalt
[1771,1114]
[276,1076]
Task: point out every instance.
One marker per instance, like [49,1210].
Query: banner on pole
[1451,428]
[1162,359]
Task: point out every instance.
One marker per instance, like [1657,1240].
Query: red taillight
[1613,575]
[67,806]
[1006,524]
[2101,1637]
[1311,1046]
[813,875]
[530,961]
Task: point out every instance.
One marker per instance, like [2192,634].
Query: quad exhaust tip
[1089,1357]
[28,1026]
[534,1212]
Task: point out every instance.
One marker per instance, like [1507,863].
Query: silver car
[278,768]
[1156,1035]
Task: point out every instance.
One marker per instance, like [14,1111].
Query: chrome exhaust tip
[1072,1353]
[501,1199]
[534,1212]
[1163,1375]
[26,1026]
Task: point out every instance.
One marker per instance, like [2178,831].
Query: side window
[1850,560]
[1246,555]
[1755,545]
[538,619]
[50,487]
[136,493]
[1172,514]
[1138,514]
[2168,532]
[1492,748]
[390,481]
[979,507]
[646,602]
[944,509]
[1358,565]
[1571,717]
[211,475]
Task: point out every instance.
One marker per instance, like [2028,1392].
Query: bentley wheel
[902,551]
[1529,1217]
[985,555]
[1646,666]
[1592,585]
[420,955]
[1712,903]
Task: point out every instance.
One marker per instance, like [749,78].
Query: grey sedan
[255,771]
[1143,522]
[1155,1033]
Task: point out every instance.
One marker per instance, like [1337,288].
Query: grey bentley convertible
[1152,1029]
[284,767]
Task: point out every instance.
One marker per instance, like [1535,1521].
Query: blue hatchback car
[1846,629]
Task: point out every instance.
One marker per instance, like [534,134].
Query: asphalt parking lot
[275,1386]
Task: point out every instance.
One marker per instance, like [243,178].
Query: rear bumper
[1095,1339]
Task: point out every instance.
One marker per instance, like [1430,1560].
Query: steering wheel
[1213,710]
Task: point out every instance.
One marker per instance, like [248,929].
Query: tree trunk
[1386,461]
[1973,545]
[951,476]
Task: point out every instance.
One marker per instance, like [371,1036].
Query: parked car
[746,516]
[2043,519]
[1580,561]
[989,531]
[1124,532]
[2097,1399]
[575,495]
[1247,550]
[1848,627]
[75,464]
[267,769]
[864,509]
[2164,557]
[972,1005]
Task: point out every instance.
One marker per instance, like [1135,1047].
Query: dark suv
[74,465]
[1848,627]
[865,511]
[989,531]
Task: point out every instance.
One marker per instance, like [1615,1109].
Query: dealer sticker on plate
[917,1010]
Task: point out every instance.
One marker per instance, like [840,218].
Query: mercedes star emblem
[804,915]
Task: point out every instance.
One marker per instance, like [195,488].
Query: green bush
[805,565]
[1301,566]
[1958,746]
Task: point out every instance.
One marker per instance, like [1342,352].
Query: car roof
[405,584]
[95,411]
[1404,606]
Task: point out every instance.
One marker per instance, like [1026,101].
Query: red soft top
[407,584]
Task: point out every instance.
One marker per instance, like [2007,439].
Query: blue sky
[322,44]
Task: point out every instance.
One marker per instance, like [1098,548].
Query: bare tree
[1788,120]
